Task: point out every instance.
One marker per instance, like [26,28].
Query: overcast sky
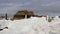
[40,7]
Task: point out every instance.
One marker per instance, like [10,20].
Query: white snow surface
[33,25]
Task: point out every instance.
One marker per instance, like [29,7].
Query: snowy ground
[32,25]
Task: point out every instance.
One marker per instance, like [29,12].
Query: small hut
[23,14]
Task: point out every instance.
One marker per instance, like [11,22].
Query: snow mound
[32,25]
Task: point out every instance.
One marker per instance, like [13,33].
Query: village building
[23,14]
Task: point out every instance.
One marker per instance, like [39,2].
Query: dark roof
[24,12]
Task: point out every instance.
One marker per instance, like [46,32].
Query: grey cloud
[14,1]
[41,7]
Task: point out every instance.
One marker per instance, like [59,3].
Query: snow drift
[32,25]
